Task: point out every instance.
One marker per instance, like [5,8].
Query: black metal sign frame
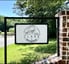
[5,33]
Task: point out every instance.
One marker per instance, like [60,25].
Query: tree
[11,22]
[2,23]
[39,8]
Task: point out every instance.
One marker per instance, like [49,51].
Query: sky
[6,8]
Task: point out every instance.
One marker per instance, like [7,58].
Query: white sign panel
[30,33]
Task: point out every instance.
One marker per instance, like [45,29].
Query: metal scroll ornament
[31,33]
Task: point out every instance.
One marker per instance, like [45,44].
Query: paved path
[10,40]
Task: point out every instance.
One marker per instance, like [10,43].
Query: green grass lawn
[1,55]
[26,54]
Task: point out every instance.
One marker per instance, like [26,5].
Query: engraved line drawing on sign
[31,33]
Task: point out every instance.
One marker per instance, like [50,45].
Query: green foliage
[1,23]
[10,33]
[11,23]
[11,30]
[30,58]
[47,48]
[27,54]
[39,8]
[0,32]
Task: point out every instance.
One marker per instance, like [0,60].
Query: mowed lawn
[26,54]
[1,55]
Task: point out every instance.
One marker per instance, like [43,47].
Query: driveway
[10,40]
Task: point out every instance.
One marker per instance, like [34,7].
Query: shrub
[28,59]
[10,33]
[49,48]
[11,30]
[0,32]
